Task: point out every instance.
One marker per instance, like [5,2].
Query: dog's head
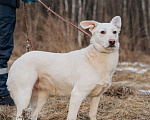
[104,35]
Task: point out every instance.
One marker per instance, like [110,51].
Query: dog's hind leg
[20,85]
[22,102]
[38,99]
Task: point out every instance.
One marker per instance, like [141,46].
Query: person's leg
[7,25]
[3,78]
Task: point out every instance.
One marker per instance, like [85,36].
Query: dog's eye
[103,32]
[114,32]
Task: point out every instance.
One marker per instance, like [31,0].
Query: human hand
[26,1]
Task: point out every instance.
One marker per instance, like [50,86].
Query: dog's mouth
[111,46]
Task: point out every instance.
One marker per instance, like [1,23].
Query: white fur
[80,73]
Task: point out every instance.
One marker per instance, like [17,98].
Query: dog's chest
[102,62]
[104,66]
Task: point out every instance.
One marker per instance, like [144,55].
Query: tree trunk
[79,19]
[83,9]
[149,14]
[36,20]
[61,7]
[73,15]
[94,10]
[66,9]
[146,24]
[100,11]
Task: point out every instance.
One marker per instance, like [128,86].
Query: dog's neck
[98,59]
[101,49]
[95,48]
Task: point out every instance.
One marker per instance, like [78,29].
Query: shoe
[7,100]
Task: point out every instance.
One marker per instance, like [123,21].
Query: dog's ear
[89,24]
[117,22]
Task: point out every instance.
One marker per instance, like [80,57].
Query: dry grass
[110,108]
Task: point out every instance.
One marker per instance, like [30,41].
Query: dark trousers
[7,25]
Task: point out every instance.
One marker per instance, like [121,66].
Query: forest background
[49,33]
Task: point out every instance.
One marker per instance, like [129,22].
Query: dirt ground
[123,101]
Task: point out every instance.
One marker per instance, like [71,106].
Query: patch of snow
[142,65]
[125,63]
[135,63]
[142,71]
[147,91]
[131,69]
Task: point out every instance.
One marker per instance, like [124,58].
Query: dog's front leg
[75,102]
[94,107]
[95,101]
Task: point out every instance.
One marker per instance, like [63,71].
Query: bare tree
[101,10]
[61,7]
[36,20]
[146,24]
[66,10]
[79,19]
[149,14]
[73,16]
[94,10]
[83,9]
[124,17]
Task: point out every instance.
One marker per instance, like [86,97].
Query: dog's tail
[21,80]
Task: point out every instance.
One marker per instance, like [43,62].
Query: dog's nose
[111,41]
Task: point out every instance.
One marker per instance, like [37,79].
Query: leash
[48,8]
[29,42]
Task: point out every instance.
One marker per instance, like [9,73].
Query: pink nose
[111,41]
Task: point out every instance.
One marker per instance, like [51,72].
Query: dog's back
[56,72]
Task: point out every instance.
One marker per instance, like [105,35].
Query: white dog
[86,72]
